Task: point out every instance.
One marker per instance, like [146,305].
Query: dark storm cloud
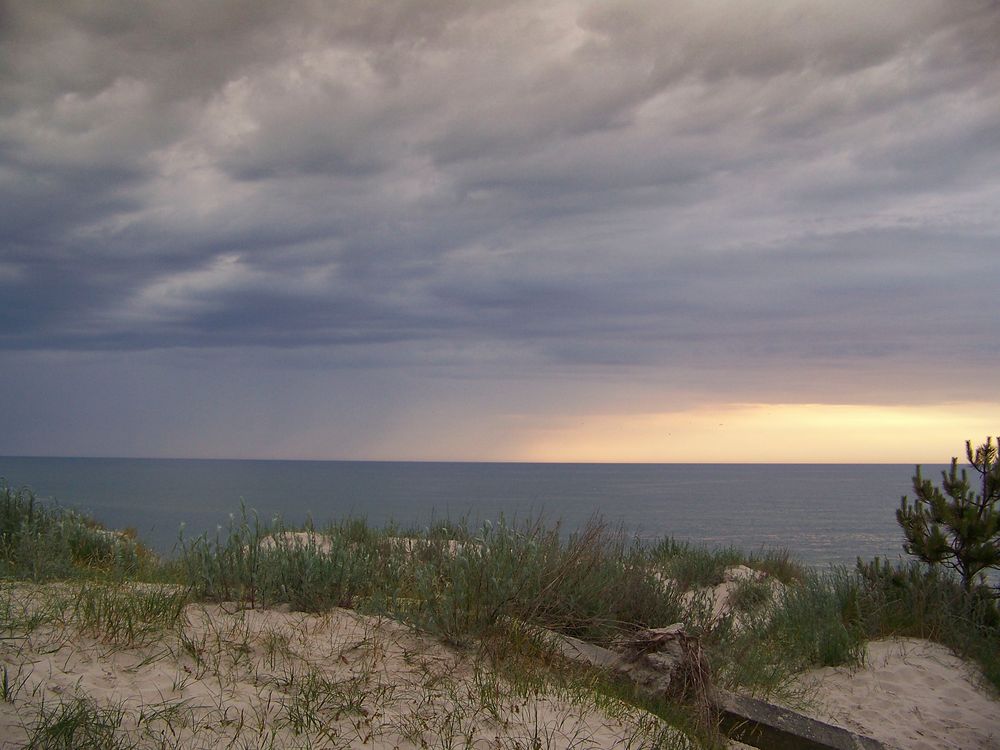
[575,183]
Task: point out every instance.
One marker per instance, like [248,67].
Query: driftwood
[669,662]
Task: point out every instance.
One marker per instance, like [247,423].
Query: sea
[823,514]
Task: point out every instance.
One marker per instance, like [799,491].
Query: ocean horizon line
[471,461]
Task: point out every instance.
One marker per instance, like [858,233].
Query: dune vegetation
[267,636]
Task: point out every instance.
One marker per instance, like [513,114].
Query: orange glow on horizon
[765,433]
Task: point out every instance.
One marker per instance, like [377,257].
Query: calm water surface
[822,513]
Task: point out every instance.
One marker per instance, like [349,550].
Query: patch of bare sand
[268,678]
[716,603]
[911,694]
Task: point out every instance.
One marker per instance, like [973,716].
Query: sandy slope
[256,679]
[911,694]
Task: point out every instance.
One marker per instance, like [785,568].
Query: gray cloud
[657,188]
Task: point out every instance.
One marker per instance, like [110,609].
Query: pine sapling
[957,528]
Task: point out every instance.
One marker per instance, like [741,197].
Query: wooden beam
[764,725]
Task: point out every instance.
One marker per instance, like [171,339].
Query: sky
[762,231]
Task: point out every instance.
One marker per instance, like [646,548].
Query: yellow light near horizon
[769,433]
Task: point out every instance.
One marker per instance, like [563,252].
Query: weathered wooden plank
[764,725]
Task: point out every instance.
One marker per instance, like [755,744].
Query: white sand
[242,678]
[913,695]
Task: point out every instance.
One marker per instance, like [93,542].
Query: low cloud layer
[688,203]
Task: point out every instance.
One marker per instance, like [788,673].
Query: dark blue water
[821,513]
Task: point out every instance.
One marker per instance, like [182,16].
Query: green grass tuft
[125,614]
[78,724]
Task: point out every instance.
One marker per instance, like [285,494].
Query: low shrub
[691,566]
[592,585]
[779,565]
[452,582]
[261,564]
[40,541]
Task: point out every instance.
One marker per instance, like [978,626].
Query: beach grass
[462,584]
[592,583]
[691,566]
[78,724]
[125,614]
[41,542]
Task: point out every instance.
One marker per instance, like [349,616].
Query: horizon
[577,232]
[474,461]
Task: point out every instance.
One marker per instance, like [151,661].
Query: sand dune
[271,678]
[230,677]
[913,695]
